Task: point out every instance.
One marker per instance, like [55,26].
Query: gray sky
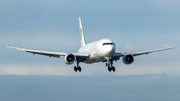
[53,25]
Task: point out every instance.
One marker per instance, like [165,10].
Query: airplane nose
[110,50]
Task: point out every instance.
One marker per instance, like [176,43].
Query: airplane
[103,50]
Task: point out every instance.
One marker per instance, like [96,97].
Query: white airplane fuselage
[99,50]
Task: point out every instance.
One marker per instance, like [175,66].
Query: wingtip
[9,47]
[173,47]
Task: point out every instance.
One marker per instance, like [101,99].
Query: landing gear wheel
[113,68]
[75,69]
[109,69]
[79,68]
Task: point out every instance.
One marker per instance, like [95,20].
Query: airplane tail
[83,43]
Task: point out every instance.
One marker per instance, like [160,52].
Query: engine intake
[128,59]
[69,59]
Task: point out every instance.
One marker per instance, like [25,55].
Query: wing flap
[50,55]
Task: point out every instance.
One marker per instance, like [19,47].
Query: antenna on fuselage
[83,43]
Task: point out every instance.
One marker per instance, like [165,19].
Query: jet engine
[128,59]
[69,59]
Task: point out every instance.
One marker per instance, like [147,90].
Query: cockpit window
[108,44]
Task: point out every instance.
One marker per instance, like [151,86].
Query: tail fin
[81,33]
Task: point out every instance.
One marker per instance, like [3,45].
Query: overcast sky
[134,25]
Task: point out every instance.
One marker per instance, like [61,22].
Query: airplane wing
[50,53]
[142,52]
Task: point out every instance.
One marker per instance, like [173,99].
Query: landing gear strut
[78,68]
[110,66]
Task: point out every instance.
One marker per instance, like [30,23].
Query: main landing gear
[77,68]
[110,66]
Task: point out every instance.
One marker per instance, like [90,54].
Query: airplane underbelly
[94,58]
[89,61]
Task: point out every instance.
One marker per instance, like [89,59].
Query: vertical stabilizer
[81,33]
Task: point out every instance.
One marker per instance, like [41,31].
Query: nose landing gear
[110,66]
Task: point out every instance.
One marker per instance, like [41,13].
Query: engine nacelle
[128,59]
[69,59]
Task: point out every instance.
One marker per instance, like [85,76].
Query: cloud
[139,70]
[37,69]
[92,69]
